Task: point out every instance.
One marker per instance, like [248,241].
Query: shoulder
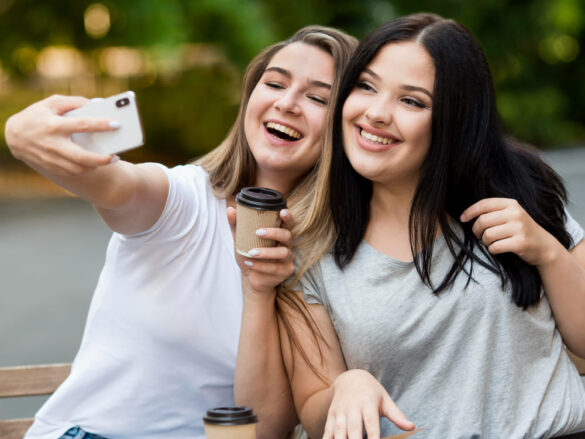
[574,229]
[192,174]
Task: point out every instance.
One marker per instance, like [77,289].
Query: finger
[282,236]
[340,429]
[329,427]
[231,216]
[279,270]
[287,219]
[277,254]
[487,220]
[508,245]
[371,422]
[484,206]
[354,425]
[392,412]
[77,154]
[61,166]
[86,124]
[62,104]
[496,233]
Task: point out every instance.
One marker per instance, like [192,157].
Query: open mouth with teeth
[377,139]
[283,132]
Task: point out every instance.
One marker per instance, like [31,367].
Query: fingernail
[284,213]
[261,232]
[249,263]
[253,253]
[115,158]
[114,124]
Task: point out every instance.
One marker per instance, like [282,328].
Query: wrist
[258,296]
[552,253]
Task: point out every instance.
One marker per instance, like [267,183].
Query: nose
[379,112]
[288,102]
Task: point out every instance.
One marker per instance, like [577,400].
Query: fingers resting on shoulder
[503,226]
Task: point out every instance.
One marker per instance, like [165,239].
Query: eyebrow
[402,86]
[286,73]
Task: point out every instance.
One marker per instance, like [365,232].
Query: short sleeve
[574,229]
[183,212]
[311,285]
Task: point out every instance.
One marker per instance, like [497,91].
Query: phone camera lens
[122,102]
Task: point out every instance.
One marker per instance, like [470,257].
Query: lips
[375,140]
[282,132]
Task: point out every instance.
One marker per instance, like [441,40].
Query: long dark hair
[469,159]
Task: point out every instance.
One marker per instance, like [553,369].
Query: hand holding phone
[121,108]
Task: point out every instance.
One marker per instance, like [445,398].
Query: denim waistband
[79,433]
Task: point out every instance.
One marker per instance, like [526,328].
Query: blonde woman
[159,347]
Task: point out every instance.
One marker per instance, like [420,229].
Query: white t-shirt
[466,364]
[160,343]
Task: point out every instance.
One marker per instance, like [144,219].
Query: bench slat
[15,428]
[32,380]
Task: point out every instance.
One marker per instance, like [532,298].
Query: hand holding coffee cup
[257,208]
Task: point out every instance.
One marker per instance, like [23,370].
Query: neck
[279,181]
[392,202]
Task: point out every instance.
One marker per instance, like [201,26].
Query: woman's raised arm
[130,198]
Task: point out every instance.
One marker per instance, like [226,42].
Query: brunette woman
[452,277]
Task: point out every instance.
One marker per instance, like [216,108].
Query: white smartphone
[122,108]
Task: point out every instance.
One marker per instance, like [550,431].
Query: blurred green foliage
[535,49]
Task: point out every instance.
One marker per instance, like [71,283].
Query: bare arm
[128,197]
[260,380]
[563,279]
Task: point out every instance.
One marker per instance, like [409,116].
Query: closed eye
[318,99]
[365,86]
[272,84]
[413,103]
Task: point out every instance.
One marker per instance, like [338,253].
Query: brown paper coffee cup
[257,208]
[230,423]
[230,431]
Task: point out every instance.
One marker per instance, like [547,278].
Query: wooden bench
[28,381]
[44,380]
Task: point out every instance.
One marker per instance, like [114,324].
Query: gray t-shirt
[468,363]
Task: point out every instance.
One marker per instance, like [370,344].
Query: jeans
[78,433]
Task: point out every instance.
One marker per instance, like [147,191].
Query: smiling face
[387,116]
[286,112]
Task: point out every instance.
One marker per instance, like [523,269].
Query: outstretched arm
[504,226]
[130,198]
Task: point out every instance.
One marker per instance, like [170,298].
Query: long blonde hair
[231,165]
